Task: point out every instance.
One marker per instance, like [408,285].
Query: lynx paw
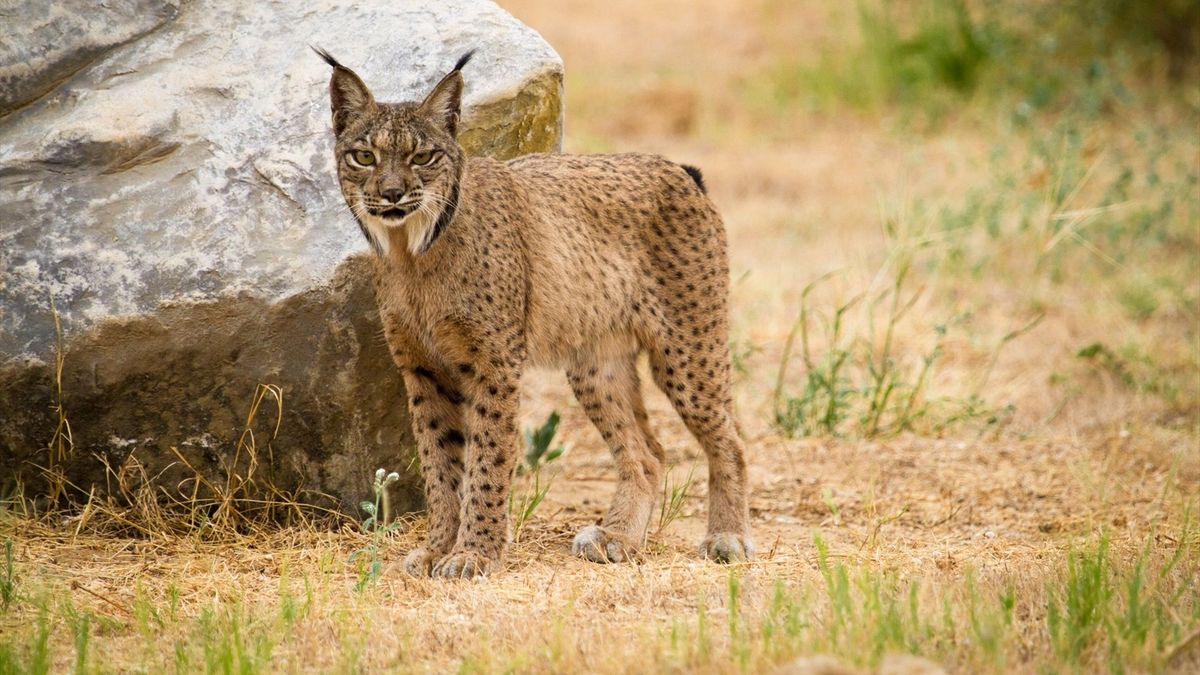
[464,565]
[727,547]
[602,546]
[419,562]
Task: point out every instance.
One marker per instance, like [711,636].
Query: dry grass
[982,519]
[955,537]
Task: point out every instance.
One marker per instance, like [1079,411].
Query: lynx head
[399,164]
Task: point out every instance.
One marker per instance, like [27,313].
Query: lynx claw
[463,565]
[727,547]
[599,545]
[419,562]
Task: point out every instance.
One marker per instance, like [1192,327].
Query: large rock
[47,42]
[166,178]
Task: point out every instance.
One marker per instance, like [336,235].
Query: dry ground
[933,525]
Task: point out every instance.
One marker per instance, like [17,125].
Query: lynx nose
[393,195]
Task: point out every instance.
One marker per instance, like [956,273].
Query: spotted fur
[571,261]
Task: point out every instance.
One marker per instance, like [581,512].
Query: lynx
[577,262]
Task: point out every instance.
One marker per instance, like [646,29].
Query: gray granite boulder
[166,178]
[45,42]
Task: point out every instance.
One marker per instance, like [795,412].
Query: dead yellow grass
[960,514]
[940,512]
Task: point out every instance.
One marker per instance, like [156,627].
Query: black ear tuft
[326,55]
[349,96]
[464,59]
[696,176]
[444,103]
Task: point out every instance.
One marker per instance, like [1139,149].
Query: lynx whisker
[435,198]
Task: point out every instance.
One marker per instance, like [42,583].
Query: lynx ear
[444,103]
[348,95]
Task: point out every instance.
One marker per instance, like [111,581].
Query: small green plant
[40,659]
[1139,301]
[537,445]
[837,587]
[147,619]
[784,622]
[826,397]
[856,381]
[1076,609]
[989,623]
[8,582]
[834,510]
[739,642]
[886,390]
[703,647]
[291,609]
[1135,625]
[229,641]
[377,526]
[673,497]
[539,451]
[863,385]
[522,508]
[83,632]
[1106,359]
[740,351]
[37,651]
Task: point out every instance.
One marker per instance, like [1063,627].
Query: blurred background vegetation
[1029,54]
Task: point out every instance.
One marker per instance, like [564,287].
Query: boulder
[58,39]
[167,193]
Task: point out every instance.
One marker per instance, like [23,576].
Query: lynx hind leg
[689,359]
[609,392]
[697,381]
[437,423]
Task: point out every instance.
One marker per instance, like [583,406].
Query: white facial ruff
[418,227]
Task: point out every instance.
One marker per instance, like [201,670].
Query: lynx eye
[363,157]
[422,158]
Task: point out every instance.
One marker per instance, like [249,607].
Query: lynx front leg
[490,411]
[435,410]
